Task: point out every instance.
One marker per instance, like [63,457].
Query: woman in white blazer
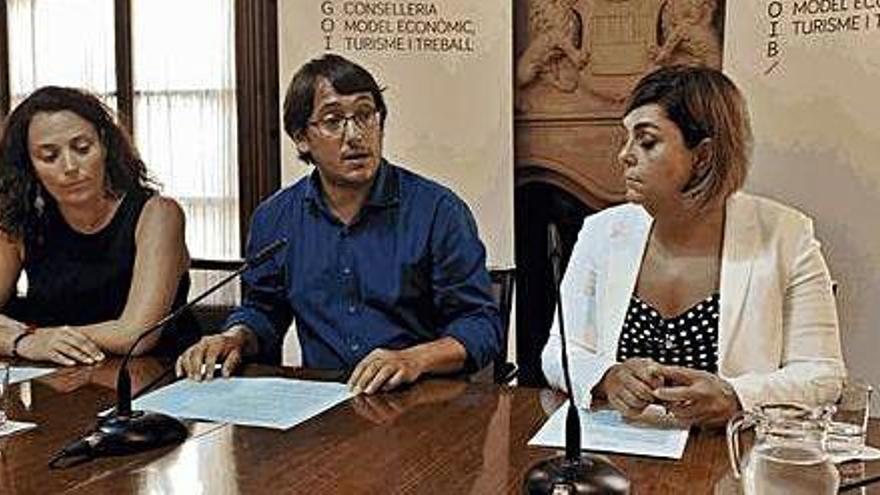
[694,295]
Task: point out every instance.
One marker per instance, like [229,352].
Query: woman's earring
[39,202]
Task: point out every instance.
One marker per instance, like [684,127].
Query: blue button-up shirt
[409,269]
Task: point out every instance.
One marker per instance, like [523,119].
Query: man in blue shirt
[383,270]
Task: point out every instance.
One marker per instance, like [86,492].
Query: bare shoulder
[161,213]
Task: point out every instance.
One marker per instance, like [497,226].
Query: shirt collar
[385,191]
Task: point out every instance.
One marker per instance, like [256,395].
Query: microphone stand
[125,431]
[574,472]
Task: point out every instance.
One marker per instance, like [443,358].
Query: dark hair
[703,103]
[19,184]
[345,76]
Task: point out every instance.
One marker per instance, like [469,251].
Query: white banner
[447,67]
[810,70]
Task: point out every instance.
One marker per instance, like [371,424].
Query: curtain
[64,43]
[61,43]
[185,113]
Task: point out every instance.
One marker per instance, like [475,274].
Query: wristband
[29,330]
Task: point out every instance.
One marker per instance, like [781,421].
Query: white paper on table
[279,403]
[652,434]
[25,373]
[10,427]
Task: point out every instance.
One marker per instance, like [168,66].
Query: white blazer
[778,325]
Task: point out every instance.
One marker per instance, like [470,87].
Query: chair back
[503,280]
[212,312]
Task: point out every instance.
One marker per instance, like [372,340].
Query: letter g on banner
[327,7]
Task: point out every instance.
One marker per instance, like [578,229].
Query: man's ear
[302,143]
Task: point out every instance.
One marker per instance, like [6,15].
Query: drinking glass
[849,424]
[850,404]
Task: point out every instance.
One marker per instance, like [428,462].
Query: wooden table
[438,437]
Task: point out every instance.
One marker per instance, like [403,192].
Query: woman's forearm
[117,336]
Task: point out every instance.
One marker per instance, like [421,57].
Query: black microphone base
[138,432]
[587,474]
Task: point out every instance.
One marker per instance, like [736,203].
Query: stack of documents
[279,403]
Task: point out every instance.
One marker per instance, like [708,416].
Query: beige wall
[815,113]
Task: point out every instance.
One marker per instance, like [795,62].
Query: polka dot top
[689,339]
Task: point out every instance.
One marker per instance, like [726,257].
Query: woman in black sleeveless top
[103,253]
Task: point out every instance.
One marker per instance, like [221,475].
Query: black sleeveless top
[689,339]
[80,279]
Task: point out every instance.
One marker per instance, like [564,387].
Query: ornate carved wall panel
[577,157]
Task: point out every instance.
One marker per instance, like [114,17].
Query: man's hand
[62,345]
[697,397]
[197,362]
[384,370]
[629,385]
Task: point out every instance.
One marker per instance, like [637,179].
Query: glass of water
[849,424]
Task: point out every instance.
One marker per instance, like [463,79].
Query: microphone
[125,431]
[574,472]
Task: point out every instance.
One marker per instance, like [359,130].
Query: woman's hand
[11,324]
[629,385]
[62,345]
[697,397]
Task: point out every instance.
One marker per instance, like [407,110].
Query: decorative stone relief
[687,35]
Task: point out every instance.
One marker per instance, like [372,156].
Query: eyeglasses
[333,125]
